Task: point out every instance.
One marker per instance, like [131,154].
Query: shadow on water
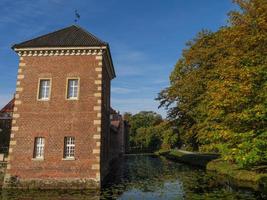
[148,177]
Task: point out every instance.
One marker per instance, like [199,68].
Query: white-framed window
[73,88]
[69,147]
[39,143]
[44,89]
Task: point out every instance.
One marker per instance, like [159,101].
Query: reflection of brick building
[119,132]
[61,127]
[5,126]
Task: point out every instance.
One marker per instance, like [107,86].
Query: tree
[149,132]
[148,139]
[218,89]
[170,139]
[139,135]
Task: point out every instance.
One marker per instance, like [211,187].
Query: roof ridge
[77,26]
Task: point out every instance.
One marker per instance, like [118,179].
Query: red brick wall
[55,119]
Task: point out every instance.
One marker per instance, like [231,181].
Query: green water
[152,178]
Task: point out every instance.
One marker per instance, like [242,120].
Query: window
[72,90]
[69,147]
[39,148]
[44,89]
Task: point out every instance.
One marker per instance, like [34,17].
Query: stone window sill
[72,99]
[37,159]
[43,99]
[68,158]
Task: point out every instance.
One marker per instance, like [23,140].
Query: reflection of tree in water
[152,177]
[148,174]
[143,173]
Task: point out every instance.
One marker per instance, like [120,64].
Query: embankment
[228,172]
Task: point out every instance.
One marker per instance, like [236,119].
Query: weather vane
[77,16]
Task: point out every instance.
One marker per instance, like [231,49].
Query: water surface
[151,178]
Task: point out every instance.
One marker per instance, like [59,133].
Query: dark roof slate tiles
[72,36]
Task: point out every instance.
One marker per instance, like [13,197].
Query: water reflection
[49,195]
[149,178]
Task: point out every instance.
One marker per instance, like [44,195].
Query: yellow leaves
[220,85]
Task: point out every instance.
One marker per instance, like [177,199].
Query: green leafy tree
[139,138]
[170,139]
[218,89]
[148,139]
[149,132]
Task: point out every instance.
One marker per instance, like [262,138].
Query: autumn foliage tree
[218,89]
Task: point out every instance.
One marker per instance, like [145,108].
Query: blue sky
[146,38]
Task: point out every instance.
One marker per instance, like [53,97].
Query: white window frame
[72,97]
[39,145]
[69,147]
[46,87]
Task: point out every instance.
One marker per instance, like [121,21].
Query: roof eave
[111,63]
[55,48]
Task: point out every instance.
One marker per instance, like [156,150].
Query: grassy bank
[229,172]
[196,159]
[239,177]
[1,179]
[2,172]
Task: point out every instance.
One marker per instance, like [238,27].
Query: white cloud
[124,70]
[128,61]
[135,105]
[161,81]
[21,11]
[129,56]
[121,90]
[141,69]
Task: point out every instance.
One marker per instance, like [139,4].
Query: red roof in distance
[8,107]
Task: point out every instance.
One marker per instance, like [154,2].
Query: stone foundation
[44,184]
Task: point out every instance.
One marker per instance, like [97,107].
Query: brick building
[61,118]
[5,127]
[119,129]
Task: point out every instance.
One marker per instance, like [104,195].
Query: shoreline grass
[229,172]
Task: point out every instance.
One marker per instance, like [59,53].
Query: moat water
[149,178]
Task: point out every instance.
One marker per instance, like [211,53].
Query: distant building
[61,118]
[119,133]
[5,127]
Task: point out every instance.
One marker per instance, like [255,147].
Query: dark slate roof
[72,36]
